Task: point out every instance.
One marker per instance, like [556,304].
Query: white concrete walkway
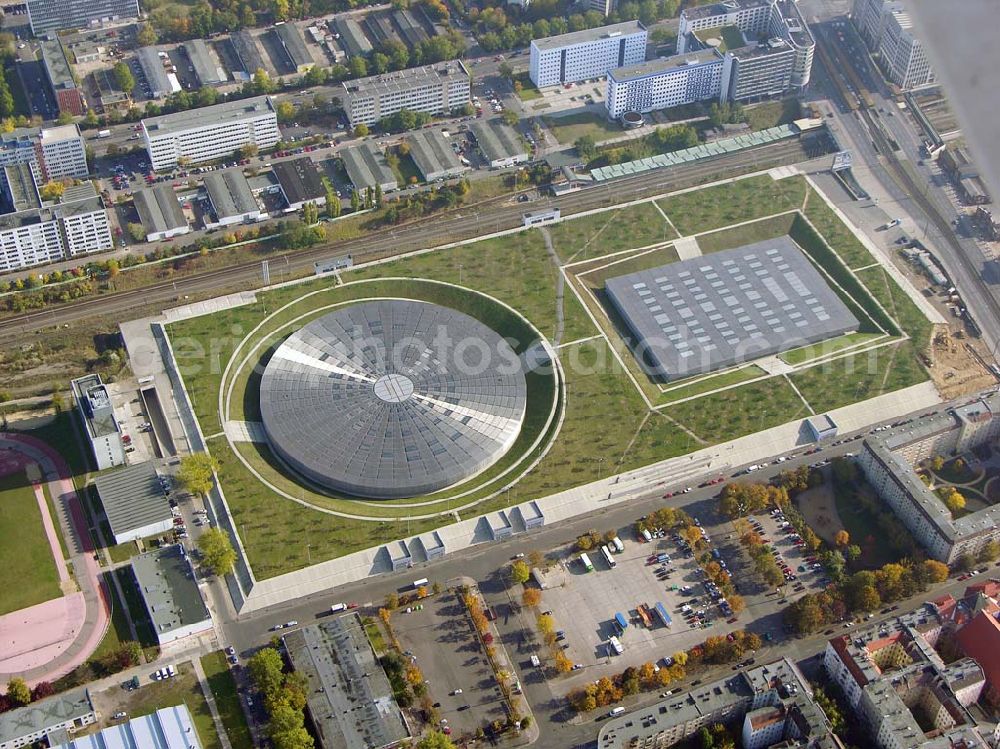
[687,248]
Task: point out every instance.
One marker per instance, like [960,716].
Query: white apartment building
[27,239]
[53,152]
[904,59]
[592,53]
[434,89]
[103,431]
[763,23]
[664,83]
[210,133]
[85,227]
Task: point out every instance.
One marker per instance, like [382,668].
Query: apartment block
[49,16]
[434,89]
[210,133]
[888,459]
[591,53]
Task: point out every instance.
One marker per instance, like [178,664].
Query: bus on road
[608,558]
[585,561]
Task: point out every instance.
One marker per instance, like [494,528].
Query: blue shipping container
[621,622]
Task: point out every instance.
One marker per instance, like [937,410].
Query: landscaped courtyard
[612,417]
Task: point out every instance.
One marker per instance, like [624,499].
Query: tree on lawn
[435,740]
[196,471]
[843,538]
[217,551]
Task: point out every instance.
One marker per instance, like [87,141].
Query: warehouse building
[209,133]
[300,182]
[413,33]
[367,167]
[208,71]
[590,53]
[432,154]
[170,591]
[134,502]
[730,307]
[104,433]
[247,51]
[435,89]
[352,38]
[154,72]
[167,728]
[160,213]
[231,199]
[60,75]
[380,27]
[499,143]
[53,719]
[294,46]
[349,696]
[50,16]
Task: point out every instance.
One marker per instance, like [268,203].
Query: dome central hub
[393,388]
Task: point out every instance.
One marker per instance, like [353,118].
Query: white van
[338,607]
[535,662]
[616,711]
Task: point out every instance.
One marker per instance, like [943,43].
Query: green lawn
[595,273]
[712,382]
[758,231]
[375,636]
[733,202]
[837,234]
[860,376]
[118,631]
[227,699]
[773,113]
[898,304]
[528,90]
[569,128]
[863,528]
[183,688]
[406,171]
[25,555]
[610,231]
[136,607]
[826,348]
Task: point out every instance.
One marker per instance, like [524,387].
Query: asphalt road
[462,223]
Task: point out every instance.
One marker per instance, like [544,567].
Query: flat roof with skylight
[711,312]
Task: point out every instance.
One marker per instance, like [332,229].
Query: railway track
[458,224]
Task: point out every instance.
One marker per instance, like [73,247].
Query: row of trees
[19,694]
[284,699]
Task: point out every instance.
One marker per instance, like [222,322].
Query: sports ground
[597,413]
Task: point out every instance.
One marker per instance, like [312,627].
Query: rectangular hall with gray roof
[152,69]
[134,502]
[231,198]
[366,167]
[432,154]
[247,51]
[170,591]
[300,182]
[730,307]
[352,38]
[206,68]
[349,696]
[499,143]
[160,213]
[294,46]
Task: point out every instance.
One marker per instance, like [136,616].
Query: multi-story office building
[904,59]
[210,133]
[434,89]
[667,82]
[49,16]
[766,25]
[758,72]
[83,221]
[67,94]
[104,434]
[591,53]
[869,19]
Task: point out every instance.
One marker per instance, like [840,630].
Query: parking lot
[442,641]
[802,569]
[584,604]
